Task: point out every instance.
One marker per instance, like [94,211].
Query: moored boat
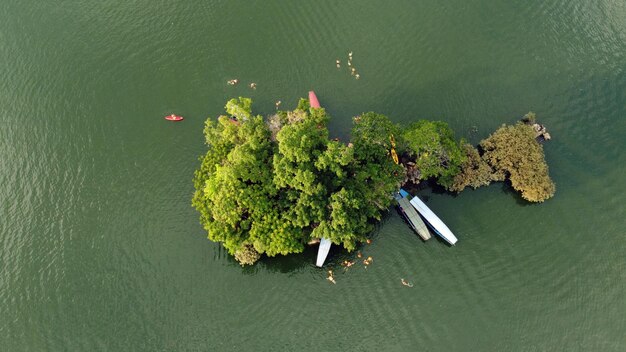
[433,220]
[411,216]
[322,252]
[313,100]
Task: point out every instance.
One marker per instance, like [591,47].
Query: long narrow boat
[435,223]
[322,252]
[325,243]
[411,215]
[313,100]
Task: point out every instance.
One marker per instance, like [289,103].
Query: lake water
[100,249]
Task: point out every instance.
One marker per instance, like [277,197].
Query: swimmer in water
[368,261]
[330,277]
[405,283]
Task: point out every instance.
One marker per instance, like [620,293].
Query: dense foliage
[510,153]
[475,171]
[436,152]
[513,153]
[271,187]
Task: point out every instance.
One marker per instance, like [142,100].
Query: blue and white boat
[435,223]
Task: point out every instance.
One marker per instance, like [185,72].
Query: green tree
[475,171]
[435,150]
[239,108]
[514,153]
[271,187]
[375,176]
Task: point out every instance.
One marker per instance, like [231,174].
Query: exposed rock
[274,123]
[413,175]
[541,134]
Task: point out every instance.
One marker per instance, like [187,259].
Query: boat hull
[174,118]
[322,252]
[313,100]
[433,220]
[411,216]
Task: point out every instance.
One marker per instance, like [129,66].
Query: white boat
[322,252]
[435,223]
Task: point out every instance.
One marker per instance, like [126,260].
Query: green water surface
[100,249]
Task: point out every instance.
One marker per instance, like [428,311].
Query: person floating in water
[232,82]
[368,261]
[346,264]
[330,277]
[338,63]
[357,76]
[253,85]
[406,283]
[278,104]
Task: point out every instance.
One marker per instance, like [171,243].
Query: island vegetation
[511,153]
[270,186]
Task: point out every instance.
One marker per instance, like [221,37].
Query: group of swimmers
[366,262]
[232,82]
[352,68]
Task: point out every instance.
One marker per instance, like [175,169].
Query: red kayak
[173,117]
[313,100]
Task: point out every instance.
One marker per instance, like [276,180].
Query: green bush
[513,153]
[435,151]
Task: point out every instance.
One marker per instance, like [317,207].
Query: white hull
[322,252]
[435,223]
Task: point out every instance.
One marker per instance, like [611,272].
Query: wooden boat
[411,216]
[322,252]
[435,223]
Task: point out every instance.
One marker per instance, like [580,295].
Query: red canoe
[173,117]
[313,100]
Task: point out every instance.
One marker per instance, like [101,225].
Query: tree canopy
[437,154]
[513,153]
[510,153]
[271,186]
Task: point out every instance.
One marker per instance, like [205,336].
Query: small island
[272,185]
